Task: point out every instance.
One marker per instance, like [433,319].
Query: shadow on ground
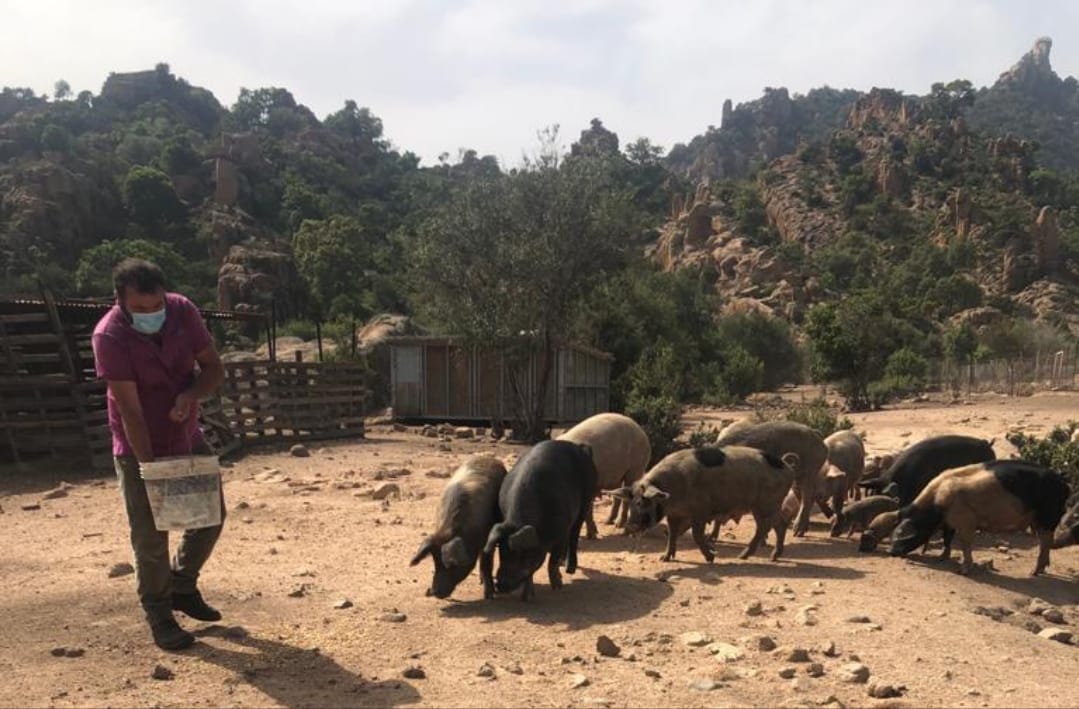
[295,677]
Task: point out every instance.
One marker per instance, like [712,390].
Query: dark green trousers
[157,578]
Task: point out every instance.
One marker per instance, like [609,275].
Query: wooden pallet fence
[273,400]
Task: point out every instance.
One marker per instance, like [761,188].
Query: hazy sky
[487,74]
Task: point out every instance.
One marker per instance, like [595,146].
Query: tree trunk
[537,425]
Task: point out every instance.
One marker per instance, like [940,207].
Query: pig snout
[1065,537]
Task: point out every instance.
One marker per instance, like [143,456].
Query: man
[146,348]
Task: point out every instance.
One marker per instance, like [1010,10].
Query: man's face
[135,302]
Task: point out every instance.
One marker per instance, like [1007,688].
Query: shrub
[1055,451]
[661,419]
[816,414]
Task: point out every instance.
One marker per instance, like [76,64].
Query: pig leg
[824,508]
[758,537]
[554,576]
[781,533]
[703,542]
[529,591]
[616,502]
[487,563]
[1045,540]
[947,534]
[574,540]
[675,527]
[807,495]
[590,519]
[966,544]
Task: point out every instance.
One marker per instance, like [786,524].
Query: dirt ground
[300,540]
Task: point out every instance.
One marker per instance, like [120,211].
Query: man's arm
[211,374]
[126,395]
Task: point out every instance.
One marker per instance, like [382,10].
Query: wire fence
[1056,370]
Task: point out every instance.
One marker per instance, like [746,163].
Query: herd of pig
[776,472]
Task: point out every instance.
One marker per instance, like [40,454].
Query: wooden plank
[19,318]
[44,338]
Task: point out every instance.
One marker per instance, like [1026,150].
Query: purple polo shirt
[162,366]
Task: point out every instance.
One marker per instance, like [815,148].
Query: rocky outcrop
[1045,235]
[252,277]
[783,191]
[879,109]
[1053,302]
[892,178]
[1032,67]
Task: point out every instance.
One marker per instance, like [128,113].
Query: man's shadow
[294,677]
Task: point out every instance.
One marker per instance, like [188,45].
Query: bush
[742,373]
[816,414]
[1055,451]
[769,341]
[661,419]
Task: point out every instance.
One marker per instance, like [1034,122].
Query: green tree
[61,90]
[513,256]
[960,344]
[333,258]
[851,342]
[150,197]
[178,157]
[765,339]
[56,138]
[93,275]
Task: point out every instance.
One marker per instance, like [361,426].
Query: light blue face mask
[148,323]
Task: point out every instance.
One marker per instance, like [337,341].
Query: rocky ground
[322,609]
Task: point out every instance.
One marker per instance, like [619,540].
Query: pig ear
[586,448]
[524,539]
[791,460]
[497,533]
[654,493]
[454,553]
[426,548]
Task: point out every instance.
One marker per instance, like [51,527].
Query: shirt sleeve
[196,326]
[112,361]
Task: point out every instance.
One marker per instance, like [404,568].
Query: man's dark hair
[144,276]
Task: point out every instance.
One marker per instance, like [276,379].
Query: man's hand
[181,410]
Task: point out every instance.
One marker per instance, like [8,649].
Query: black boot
[168,635]
[192,605]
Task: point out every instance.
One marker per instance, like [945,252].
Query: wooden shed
[437,378]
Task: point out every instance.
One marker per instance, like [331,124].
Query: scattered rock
[74,652]
[1058,634]
[783,589]
[1053,615]
[30,507]
[342,604]
[788,673]
[399,427]
[55,493]
[441,474]
[1031,627]
[885,691]
[58,651]
[815,669]
[1037,606]
[385,490]
[486,670]
[393,617]
[858,619]
[299,451]
[828,649]
[695,639]
[298,591]
[806,615]
[121,569]
[997,613]
[576,681]
[607,647]
[463,432]
[162,673]
[801,684]
[413,672]
[445,447]
[798,654]
[235,632]
[242,505]
[654,674]
[760,643]
[429,431]
[246,520]
[854,673]
[705,685]
[725,652]
[754,609]
[514,668]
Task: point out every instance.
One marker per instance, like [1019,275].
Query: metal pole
[318,337]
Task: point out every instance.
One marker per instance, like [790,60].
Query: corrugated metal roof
[102,306]
[449,340]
